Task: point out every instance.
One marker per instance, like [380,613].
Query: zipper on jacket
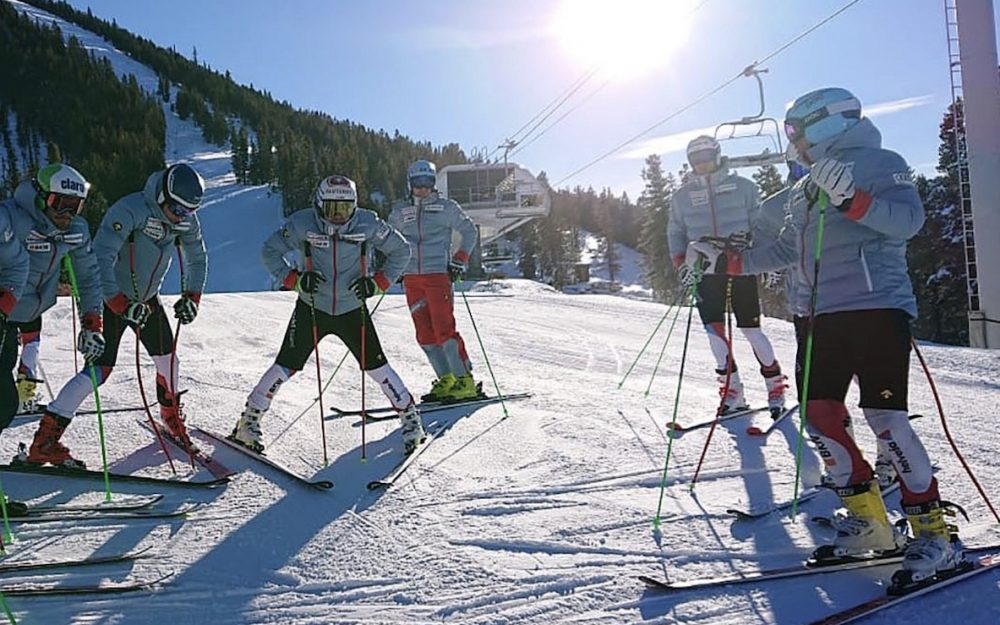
[420,239]
[152,274]
[864,265]
[43,276]
[333,291]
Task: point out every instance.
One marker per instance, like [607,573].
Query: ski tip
[322,484]
[377,485]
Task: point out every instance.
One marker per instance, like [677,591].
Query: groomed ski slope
[545,516]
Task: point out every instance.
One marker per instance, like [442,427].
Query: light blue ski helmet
[821,115]
[422,174]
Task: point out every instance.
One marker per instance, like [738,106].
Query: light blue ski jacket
[428,225]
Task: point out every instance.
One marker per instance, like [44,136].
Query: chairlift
[761,127]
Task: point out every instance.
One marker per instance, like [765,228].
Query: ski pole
[807,365]
[677,399]
[663,350]
[363,260]
[93,382]
[482,348]
[319,376]
[730,365]
[172,382]
[947,433]
[8,536]
[646,344]
[6,609]
[138,369]
[72,302]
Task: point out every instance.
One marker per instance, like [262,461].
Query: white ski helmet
[704,149]
[61,188]
[182,189]
[422,174]
[336,199]
[821,115]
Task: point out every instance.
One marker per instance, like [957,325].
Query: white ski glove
[90,342]
[836,179]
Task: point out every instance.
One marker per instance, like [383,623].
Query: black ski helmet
[181,186]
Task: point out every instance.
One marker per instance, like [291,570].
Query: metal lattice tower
[961,155]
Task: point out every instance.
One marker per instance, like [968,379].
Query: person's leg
[29,338]
[713,291]
[416,298]
[746,305]
[8,360]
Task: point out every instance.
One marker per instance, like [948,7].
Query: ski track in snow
[543,516]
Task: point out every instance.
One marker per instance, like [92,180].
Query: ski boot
[27,397]
[412,428]
[463,389]
[170,414]
[46,448]
[863,530]
[732,398]
[776,384]
[15,508]
[935,552]
[439,390]
[247,431]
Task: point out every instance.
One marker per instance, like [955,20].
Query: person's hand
[836,179]
[186,308]
[90,342]
[456,270]
[309,281]
[364,287]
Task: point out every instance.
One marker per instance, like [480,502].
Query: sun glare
[622,38]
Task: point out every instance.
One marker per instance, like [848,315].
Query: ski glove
[836,179]
[7,303]
[137,313]
[687,275]
[90,342]
[715,257]
[186,308]
[309,281]
[364,287]
[456,270]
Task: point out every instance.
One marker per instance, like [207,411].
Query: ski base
[36,565]
[676,430]
[408,460]
[322,485]
[97,514]
[32,590]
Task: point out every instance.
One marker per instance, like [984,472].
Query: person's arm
[13,265]
[281,242]
[677,239]
[195,260]
[116,227]
[395,249]
[88,275]
[466,228]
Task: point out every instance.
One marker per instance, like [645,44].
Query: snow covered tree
[936,255]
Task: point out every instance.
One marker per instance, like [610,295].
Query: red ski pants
[431,301]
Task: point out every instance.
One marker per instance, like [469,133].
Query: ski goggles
[702,157]
[422,182]
[797,127]
[331,209]
[61,204]
[179,209]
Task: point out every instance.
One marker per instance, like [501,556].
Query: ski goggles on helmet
[61,204]
[798,127]
[336,209]
[422,182]
[703,157]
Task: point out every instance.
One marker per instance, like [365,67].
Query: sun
[622,38]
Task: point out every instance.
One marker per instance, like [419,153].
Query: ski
[114,477]
[408,461]
[132,504]
[795,570]
[207,462]
[98,514]
[676,430]
[388,412]
[35,565]
[51,590]
[775,422]
[984,564]
[805,495]
[317,484]
[37,414]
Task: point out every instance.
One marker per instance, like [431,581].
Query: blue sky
[474,72]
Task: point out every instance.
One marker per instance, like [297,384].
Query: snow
[543,516]
[630,276]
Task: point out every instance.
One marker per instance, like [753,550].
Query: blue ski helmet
[821,115]
[183,187]
[422,174]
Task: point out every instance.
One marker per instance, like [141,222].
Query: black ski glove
[364,287]
[309,281]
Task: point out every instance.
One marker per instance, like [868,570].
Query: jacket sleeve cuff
[860,204]
[461,256]
[92,321]
[194,296]
[118,304]
[7,302]
[383,282]
[288,284]
[677,259]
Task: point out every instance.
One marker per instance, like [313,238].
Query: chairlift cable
[708,94]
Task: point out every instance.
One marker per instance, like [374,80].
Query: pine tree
[654,202]
[769,180]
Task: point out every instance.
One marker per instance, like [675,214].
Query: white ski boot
[863,528]
[934,549]
[247,431]
[412,428]
[732,398]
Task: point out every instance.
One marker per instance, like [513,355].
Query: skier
[864,306]
[716,203]
[134,247]
[332,238]
[44,218]
[13,278]
[428,222]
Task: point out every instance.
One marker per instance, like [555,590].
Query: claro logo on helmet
[71,185]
